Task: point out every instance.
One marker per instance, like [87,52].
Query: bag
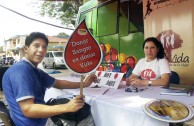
[73,116]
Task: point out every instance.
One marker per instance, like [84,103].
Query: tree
[1,48]
[65,11]
[62,35]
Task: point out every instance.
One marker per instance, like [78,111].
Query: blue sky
[12,24]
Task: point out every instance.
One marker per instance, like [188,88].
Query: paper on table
[177,90]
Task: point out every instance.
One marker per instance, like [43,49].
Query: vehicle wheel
[54,66]
[11,62]
[44,65]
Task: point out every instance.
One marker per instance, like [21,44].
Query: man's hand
[89,80]
[75,104]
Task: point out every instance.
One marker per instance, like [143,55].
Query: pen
[105,91]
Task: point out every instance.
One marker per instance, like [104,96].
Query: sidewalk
[64,72]
[56,72]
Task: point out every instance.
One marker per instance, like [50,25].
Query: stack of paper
[177,90]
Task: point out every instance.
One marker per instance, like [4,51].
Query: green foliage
[65,11]
[62,35]
[1,48]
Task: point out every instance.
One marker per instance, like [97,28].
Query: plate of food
[168,110]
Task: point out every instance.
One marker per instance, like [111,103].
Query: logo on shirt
[147,74]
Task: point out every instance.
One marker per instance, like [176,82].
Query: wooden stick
[81,84]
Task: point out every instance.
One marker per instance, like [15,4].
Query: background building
[13,45]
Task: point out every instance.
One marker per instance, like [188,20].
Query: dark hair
[35,35]
[161,54]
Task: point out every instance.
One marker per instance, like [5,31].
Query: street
[59,72]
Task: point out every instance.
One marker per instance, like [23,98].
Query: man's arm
[61,84]
[32,110]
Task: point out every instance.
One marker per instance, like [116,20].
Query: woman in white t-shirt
[152,70]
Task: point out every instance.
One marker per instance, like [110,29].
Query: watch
[149,83]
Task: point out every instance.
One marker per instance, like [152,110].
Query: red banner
[82,53]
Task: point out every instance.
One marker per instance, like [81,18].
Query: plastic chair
[129,72]
[2,71]
[4,115]
[174,78]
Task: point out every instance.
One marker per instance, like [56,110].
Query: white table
[120,108]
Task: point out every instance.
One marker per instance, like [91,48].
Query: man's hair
[35,35]
[161,53]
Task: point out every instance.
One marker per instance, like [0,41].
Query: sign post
[82,85]
[82,53]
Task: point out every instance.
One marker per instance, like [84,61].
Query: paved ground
[63,73]
[54,72]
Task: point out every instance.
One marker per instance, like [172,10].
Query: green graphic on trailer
[118,28]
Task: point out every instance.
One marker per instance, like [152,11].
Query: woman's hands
[135,82]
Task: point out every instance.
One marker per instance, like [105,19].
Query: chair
[174,78]
[129,72]
[2,71]
[4,115]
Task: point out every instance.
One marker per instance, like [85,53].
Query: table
[120,108]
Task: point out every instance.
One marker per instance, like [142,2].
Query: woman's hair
[35,35]
[161,54]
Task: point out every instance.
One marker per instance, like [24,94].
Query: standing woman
[154,69]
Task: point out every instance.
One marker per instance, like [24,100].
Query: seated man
[24,86]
